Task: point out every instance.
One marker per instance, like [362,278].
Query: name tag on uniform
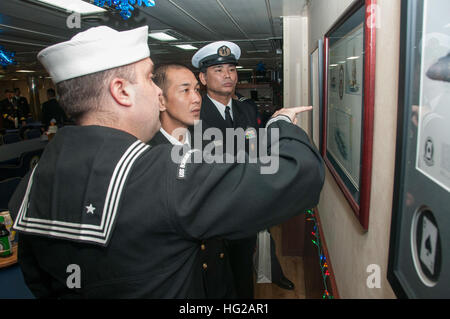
[182,166]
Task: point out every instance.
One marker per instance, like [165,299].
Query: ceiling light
[245,70]
[24,71]
[353,58]
[14,79]
[186,46]
[258,51]
[333,65]
[161,36]
[239,67]
[78,6]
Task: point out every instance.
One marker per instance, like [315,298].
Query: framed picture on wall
[316,91]
[348,102]
[419,252]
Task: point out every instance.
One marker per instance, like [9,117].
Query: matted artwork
[316,92]
[419,252]
[348,104]
[433,158]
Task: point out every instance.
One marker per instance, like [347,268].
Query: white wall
[295,64]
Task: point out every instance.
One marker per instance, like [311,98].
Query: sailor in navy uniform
[122,217]
[21,103]
[182,103]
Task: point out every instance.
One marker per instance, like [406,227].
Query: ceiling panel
[181,19]
[255,25]
[251,16]
[287,7]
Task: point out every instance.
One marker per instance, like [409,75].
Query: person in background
[104,215]
[182,102]
[22,103]
[9,111]
[52,110]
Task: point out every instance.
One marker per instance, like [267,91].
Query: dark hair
[51,92]
[160,75]
[85,94]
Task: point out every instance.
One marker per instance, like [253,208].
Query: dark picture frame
[351,134]
[418,255]
[316,73]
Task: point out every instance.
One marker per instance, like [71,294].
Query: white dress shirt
[174,141]
[221,108]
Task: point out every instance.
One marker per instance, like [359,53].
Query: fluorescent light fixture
[161,36]
[24,71]
[353,58]
[78,6]
[333,65]
[239,67]
[245,70]
[186,46]
[14,79]
[341,62]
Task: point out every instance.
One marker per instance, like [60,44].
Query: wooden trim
[11,260]
[325,96]
[369,104]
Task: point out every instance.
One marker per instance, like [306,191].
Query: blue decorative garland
[6,57]
[124,6]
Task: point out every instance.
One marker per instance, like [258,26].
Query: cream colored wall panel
[296,72]
[351,249]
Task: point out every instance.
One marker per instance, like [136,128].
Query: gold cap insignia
[224,51]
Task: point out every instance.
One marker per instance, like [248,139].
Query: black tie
[228,119]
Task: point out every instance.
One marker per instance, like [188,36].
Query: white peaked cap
[212,54]
[94,50]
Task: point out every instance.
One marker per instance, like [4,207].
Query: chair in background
[27,161]
[7,188]
[10,138]
[33,133]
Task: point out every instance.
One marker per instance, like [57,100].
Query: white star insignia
[90,209]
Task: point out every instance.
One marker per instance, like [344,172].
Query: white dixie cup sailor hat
[94,50]
[220,52]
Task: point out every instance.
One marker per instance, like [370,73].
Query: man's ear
[121,91]
[202,77]
[162,103]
